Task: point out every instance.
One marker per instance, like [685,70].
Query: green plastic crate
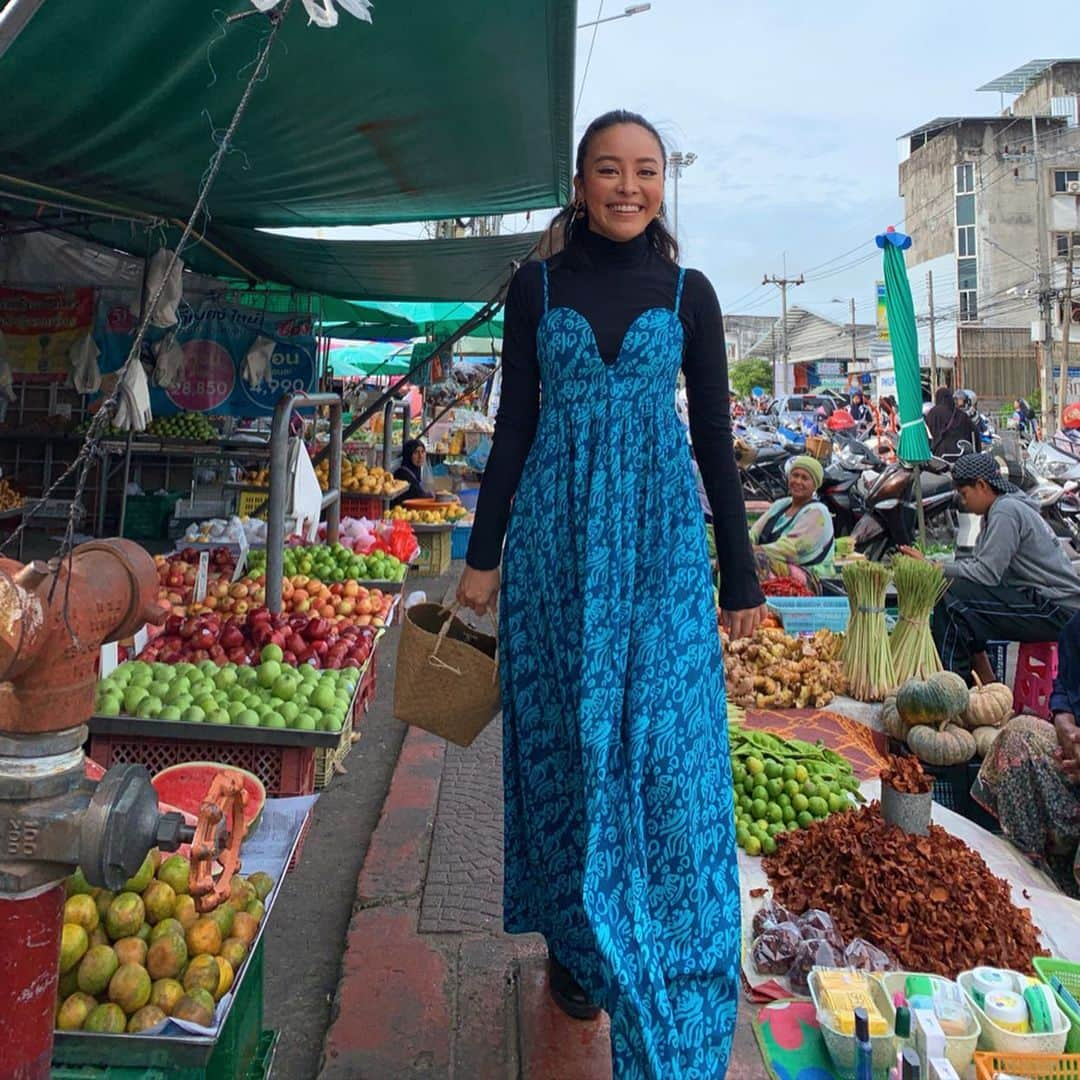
[241,1045]
[146,517]
[1069,974]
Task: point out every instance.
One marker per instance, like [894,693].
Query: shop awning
[437,110]
[377,358]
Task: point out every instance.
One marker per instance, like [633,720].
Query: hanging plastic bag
[256,371]
[133,411]
[165,311]
[168,361]
[83,357]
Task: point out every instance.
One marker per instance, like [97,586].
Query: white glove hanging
[164,313]
[83,357]
[133,408]
[169,361]
[256,371]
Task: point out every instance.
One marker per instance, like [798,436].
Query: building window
[967,276]
[965,179]
[965,210]
[969,311]
[965,240]
[1064,177]
[1061,243]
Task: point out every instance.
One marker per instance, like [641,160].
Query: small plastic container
[1036,1066]
[908,812]
[841,1047]
[959,1049]
[997,1038]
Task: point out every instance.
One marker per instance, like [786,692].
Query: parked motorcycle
[841,491]
[891,518]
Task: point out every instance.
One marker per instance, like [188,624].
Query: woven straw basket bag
[447,675]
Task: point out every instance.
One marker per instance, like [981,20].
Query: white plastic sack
[256,372]
[322,12]
[133,411]
[83,357]
[164,314]
[168,362]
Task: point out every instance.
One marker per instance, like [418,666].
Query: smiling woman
[619,838]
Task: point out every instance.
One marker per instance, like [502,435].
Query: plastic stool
[1036,669]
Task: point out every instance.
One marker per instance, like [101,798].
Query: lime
[776,828]
[788,814]
[818,807]
[774,787]
[749,784]
[773,769]
[774,813]
[804,818]
[742,837]
[791,787]
[768,846]
[759,808]
[738,774]
[800,802]
[754,766]
[788,772]
[835,802]
[783,800]
[822,791]
[753,845]
[809,789]
[759,828]
[801,774]
[760,792]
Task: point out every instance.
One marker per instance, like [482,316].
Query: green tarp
[439,109]
[377,359]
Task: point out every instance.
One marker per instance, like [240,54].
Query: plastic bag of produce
[774,949]
[818,924]
[863,956]
[769,914]
[810,954]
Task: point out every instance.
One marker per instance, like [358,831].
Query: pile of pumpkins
[945,723]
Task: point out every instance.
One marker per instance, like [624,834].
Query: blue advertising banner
[220,372]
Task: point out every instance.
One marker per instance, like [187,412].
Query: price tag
[241,558]
[141,639]
[109,659]
[201,575]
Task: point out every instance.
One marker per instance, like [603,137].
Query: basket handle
[436,661]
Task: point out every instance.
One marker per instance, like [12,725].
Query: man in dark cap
[1017,586]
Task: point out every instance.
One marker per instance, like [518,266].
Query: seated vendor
[794,537]
[1030,780]
[1017,586]
[413,454]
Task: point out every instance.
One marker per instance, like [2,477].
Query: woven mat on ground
[838,733]
[791,1043]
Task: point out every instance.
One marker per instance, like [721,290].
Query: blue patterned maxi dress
[619,815]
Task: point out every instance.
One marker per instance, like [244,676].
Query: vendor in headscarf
[794,537]
[411,470]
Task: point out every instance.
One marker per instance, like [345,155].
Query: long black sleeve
[515,425]
[708,396]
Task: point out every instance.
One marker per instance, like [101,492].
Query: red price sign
[207,377]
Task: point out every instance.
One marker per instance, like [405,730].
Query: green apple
[169,712]
[271,652]
[268,672]
[273,720]
[218,716]
[248,718]
[194,715]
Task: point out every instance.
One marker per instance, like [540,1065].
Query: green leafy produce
[194,426]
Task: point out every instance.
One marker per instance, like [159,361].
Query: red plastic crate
[361,506]
[284,770]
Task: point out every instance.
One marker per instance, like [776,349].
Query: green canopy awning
[378,358]
[437,110]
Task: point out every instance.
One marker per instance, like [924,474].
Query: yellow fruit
[159,900]
[193,1008]
[81,909]
[73,945]
[167,957]
[109,1019]
[225,977]
[165,993]
[205,936]
[126,914]
[147,1017]
[96,968]
[185,912]
[263,884]
[245,927]
[234,950]
[74,1011]
[130,950]
[130,988]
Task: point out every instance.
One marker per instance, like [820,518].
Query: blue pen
[864,1054]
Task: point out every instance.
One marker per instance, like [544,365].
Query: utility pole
[783,283]
[854,331]
[1066,339]
[933,334]
[1046,368]
[677,162]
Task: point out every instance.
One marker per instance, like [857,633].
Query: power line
[588,58]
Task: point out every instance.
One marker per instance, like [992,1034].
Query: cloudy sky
[793,110]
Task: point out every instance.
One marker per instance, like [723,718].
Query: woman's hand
[740,624]
[1068,736]
[912,552]
[478,590]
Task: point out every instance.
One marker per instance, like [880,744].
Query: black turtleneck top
[611,284]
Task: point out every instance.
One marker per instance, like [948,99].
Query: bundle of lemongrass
[868,663]
[919,586]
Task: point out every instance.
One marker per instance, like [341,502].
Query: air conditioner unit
[1073,187]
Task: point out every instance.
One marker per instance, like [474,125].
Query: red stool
[1036,669]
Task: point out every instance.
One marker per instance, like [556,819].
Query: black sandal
[567,994]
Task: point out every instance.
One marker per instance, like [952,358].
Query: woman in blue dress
[619,838]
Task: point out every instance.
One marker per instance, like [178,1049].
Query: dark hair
[566,227]
[944,396]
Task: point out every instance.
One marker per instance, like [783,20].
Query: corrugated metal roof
[1025,76]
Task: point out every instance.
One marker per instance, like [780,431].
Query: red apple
[296,644]
[288,657]
[237,655]
[320,648]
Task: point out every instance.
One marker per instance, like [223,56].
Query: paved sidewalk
[431,987]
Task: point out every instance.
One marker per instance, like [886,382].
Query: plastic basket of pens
[991,1066]
[1064,979]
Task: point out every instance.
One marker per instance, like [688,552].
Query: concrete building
[820,350]
[990,202]
[743,332]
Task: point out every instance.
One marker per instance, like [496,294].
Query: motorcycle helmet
[1070,418]
[841,420]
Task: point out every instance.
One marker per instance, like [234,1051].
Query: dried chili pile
[905,774]
[928,901]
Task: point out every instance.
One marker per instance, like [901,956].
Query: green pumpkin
[952,745]
[891,720]
[921,702]
[955,688]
